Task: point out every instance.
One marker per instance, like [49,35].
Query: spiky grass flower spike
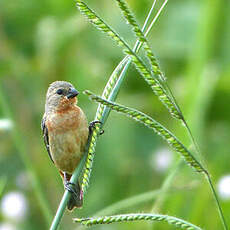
[155,68]
[141,37]
[155,126]
[140,66]
[99,117]
[182,224]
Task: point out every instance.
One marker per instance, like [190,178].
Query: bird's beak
[72,93]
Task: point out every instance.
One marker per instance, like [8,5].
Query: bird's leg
[92,126]
[71,187]
[76,199]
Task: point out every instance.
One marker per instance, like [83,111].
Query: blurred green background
[43,41]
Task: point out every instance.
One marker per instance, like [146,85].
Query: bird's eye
[59,91]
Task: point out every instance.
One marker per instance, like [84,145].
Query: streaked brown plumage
[65,130]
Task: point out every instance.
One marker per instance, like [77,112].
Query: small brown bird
[65,131]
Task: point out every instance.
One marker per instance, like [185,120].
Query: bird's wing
[45,135]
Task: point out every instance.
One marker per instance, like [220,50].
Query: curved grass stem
[217,201]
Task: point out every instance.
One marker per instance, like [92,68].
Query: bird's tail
[76,198]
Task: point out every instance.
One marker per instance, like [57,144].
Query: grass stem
[217,202]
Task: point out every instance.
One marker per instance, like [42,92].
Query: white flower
[14,206]
[6,124]
[161,159]
[224,187]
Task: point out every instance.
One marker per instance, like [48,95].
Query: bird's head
[60,96]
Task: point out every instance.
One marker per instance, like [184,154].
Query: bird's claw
[71,188]
[92,126]
[77,195]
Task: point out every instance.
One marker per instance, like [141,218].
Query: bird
[65,132]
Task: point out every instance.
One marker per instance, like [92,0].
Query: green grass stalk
[221,214]
[62,206]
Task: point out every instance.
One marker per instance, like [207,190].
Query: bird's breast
[61,122]
[68,134]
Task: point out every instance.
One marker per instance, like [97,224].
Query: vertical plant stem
[156,17]
[148,16]
[61,209]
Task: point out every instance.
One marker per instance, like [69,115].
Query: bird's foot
[71,187]
[92,126]
[76,199]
